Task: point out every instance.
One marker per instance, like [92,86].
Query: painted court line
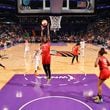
[63,97]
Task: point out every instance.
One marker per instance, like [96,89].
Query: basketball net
[55,23]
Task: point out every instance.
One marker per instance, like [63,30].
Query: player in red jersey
[75,51]
[103,64]
[46,57]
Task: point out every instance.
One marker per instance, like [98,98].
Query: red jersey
[103,62]
[103,65]
[75,50]
[46,53]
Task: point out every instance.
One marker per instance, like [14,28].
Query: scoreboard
[44,6]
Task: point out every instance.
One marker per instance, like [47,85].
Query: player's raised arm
[42,33]
[48,31]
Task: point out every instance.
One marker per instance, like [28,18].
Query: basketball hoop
[55,22]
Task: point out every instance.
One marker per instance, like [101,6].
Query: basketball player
[82,46]
[26,48]
[103,64]
[37,56]
[5,47]
[46,57]
[75,51]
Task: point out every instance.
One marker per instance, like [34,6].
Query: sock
[100,97]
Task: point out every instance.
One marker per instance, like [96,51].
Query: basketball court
[69,86]
[72,85]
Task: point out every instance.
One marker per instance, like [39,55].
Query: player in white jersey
[82,47]
[26,48]
[37,57]
[5,47]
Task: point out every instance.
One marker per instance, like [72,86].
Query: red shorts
[46,59]
[104,73]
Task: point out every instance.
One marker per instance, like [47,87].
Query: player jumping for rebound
[46,57]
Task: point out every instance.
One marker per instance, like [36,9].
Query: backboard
[56,6]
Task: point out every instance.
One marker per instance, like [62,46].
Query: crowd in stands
[97,33]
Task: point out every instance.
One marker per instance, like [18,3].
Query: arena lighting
[7,22]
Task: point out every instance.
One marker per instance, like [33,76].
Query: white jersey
[82,44]
[37,57]
[27,48]
[5,45]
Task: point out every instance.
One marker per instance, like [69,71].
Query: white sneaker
[95,97]
[98,100]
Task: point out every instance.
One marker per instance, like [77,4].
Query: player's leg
[49,73]
[77,59]
[25,51]
[45,69]
[36,67]
[98,98]
[72,59]
[38,64]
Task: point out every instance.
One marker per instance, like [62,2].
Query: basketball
[44,22]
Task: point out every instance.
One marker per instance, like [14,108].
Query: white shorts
[27,49]
[37,64]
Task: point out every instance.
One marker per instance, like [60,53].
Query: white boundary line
[63,97]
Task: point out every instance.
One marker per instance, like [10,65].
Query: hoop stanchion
[56,6]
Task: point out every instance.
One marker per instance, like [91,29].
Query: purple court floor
[65,92]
